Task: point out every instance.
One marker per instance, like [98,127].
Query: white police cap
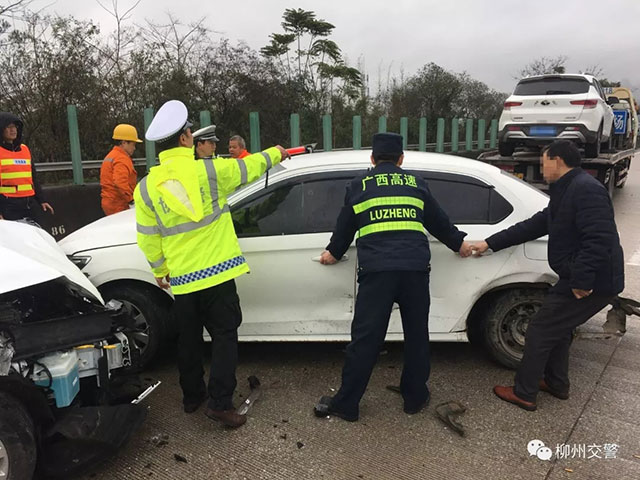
[206,133]
[170,119]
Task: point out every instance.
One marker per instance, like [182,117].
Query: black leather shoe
[412,410]
[323,409]
[193,406]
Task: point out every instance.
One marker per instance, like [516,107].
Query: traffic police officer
[204,141]
[389,209]
[186,233]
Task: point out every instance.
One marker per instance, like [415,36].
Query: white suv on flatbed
[557,106]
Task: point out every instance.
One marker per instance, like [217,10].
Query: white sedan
[285,220]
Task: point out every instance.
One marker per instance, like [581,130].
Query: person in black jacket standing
[389,209]
[584,250]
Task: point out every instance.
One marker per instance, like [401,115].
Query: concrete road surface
[283,440]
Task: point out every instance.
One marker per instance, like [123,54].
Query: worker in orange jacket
[237,147]
[118,177]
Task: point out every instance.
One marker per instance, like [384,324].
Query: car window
[307,204]
[323,200]
[552,86]
[275,212]
[467,200]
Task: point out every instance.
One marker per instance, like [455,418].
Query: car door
[476,208]
[282,232]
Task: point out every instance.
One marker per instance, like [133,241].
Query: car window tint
[468,202]
[278,212]
[323,200]
[552,86]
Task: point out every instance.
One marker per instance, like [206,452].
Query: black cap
[387,144]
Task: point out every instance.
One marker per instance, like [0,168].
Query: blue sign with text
[620,118]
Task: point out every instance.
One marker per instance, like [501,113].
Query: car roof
[586,76]
[348,159]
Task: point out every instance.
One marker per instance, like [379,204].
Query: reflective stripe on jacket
[183,221]
[117,181]
[16,177]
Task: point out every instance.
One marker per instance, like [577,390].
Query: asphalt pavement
[593,435]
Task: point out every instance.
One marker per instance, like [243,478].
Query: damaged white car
[67,362]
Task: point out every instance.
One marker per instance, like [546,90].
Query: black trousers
[17,208]
[548,338]
[218,310]
[376,295]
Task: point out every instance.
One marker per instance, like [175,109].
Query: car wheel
[592,150]
[506,149]
[506,321]
[17,440]
[150,310]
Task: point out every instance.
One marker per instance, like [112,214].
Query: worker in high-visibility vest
[118,176]
[186,233]
[20,192]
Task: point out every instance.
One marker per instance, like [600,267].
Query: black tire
[150,309]
[18,452]
[592,150]
[505,323]
[506,149]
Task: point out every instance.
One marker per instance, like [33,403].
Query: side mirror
[612,100]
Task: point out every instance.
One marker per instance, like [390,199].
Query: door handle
[344,258]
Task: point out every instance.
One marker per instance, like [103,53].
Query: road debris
[179,458]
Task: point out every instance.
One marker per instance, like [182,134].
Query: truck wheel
[506,321]
[17,440]
[592,150]
[150,309]
[506,149]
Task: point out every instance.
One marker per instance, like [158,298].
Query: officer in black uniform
[389,208]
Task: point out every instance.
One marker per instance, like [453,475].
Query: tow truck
[610,168]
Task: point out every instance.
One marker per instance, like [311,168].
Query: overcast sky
[490,39]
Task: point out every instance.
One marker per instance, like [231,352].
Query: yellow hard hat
[126,132]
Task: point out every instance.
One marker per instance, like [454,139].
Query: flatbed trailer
[610,168]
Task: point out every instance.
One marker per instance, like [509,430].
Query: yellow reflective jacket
[183,221]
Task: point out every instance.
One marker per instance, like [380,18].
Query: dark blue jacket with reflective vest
[389,208]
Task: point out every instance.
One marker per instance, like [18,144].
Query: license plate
[542,131]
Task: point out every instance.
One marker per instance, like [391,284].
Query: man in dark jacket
[584,250]
[389,208]
[19,188]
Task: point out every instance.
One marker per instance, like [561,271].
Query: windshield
[552,86]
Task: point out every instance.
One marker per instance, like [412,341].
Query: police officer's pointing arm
[235,172]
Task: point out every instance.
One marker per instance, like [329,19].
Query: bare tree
[543,66]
